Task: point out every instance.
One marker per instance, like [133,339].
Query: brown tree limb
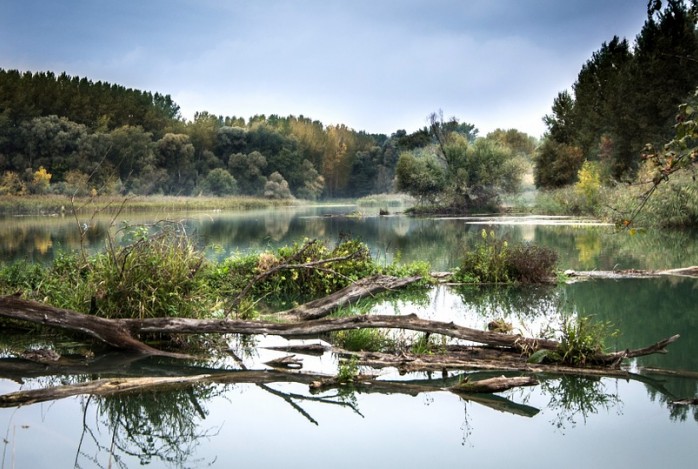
[108,331]
[120,332]
[358,290]
[490,385]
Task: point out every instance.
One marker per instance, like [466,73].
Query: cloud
[374,65]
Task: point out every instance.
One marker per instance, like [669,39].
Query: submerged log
[490,385]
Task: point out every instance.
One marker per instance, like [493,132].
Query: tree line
[69,135]
[624,98]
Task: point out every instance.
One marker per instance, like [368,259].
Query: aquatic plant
[348,371]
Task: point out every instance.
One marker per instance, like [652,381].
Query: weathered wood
[108,331]
[120,332]
[490,385]
[358,290]
[325,325]
[617,357]
[691,272]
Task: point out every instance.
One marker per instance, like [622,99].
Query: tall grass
[56,204]
[163,274]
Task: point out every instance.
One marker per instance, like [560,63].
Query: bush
[153,276]
[582,339]
[528,263]
[495,261]
[486,264]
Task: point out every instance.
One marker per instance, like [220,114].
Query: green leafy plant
[154,276]
[348,371]
[582,339]
[367,340]
[494,260]
[487,263]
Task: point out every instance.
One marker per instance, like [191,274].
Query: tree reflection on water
[148,426]
[576,397]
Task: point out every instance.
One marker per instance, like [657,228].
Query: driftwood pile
[501,352]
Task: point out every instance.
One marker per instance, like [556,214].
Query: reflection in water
[575,397]
[201,425]
[165,426]
[438,240]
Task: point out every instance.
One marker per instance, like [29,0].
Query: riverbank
[58,204]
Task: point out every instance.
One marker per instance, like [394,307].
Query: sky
[373,65]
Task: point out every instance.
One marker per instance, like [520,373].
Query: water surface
[578,421]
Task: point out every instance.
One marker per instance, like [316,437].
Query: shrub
[487,263]
[153,276]
[528,263]
[582,339]
[495,261]
[588,186]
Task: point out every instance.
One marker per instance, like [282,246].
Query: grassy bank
[56,204]
[674,204]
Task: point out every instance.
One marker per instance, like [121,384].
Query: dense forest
[68,135]
[624,98]
[71,135]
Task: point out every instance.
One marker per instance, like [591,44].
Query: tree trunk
[502,383]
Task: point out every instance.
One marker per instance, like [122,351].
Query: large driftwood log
[108,331]
[691,272]
[120,333]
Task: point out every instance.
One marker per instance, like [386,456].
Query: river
[570,421]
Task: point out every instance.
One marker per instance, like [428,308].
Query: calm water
[574,421]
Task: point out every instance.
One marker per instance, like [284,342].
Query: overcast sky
[374,65]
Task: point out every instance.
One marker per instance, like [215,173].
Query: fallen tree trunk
[109,331]
[490,385]
[120,333]
[691,272]
[358,290]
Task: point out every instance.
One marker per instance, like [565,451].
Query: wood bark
[358,290]
[120,333]
[691,272]
[499,384]
[108,331]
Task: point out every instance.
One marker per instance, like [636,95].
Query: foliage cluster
[496,261]
[364,340]
[348,371]
[158,271]
[287,276]
[673,204]
[623,98]
[581,340]
[151,276]
[105,139]
[460,172]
